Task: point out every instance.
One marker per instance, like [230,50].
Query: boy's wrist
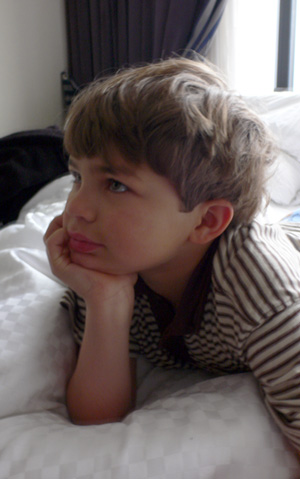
[110,296]
[100,289]
[112,310]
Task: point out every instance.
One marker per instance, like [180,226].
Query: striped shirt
[250,319]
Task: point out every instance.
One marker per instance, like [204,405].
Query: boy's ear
[214,217]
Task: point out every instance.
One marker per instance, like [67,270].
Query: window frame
[286,45]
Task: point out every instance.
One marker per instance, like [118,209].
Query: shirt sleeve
[264,275]
[77,312]
[273,353]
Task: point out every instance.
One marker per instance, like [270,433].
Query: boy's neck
[170,280]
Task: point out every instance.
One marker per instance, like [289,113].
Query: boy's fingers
[55,224]
[58,255]
[56,241]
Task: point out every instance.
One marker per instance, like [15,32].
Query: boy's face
[123,219]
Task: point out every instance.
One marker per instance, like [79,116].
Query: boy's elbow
[89,417]
[90,421]
[85,411]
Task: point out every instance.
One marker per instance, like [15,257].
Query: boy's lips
[82,244]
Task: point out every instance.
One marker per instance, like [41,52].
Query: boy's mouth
[81,244]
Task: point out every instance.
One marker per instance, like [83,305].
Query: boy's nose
[81,205]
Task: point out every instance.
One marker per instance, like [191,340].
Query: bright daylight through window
[297,51]
[245,46]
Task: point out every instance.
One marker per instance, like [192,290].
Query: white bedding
[187,425]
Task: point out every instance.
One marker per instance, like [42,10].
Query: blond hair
[178,116]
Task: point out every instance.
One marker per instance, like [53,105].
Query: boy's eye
[117,187]
[76,176]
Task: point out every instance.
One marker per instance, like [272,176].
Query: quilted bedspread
[187,425]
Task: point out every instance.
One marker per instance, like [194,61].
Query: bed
[186,425]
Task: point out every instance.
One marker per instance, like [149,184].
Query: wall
[33,53]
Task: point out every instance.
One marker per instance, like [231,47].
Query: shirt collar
[188,315]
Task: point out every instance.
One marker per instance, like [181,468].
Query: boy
[159,246]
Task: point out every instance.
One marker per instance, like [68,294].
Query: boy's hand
[87,283]
[102,386]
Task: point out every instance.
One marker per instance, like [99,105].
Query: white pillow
[37,351]
[281,112]
[284,184]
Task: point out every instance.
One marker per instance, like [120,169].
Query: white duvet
[187,425]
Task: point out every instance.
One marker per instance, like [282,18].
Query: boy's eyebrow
[108,168]
[71,162]
[114,170]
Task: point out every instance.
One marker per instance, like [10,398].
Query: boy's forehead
[106,163]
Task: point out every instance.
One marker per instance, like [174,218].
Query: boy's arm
[102,387]
[273,352]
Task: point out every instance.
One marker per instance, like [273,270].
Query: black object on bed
[28,160]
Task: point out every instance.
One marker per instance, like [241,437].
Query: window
[245,46]
[297,51]
[286,45]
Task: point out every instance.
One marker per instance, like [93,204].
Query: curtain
[104,35]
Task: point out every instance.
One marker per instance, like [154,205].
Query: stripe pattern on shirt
[251,319]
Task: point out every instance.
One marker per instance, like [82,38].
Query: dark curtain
[104,35]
